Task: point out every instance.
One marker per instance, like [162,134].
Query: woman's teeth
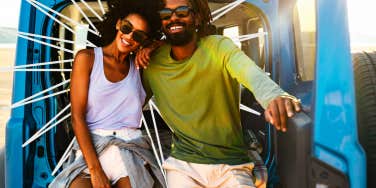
[125,42]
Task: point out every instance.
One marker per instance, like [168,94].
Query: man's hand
[143,54]
[279,109]
[143,57]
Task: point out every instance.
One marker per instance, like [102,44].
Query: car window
[246,26]
[304,24]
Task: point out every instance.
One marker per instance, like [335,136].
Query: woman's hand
[99,179]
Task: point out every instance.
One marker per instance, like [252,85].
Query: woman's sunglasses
[138,35]
[181,12]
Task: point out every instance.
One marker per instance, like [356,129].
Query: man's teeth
[175,28]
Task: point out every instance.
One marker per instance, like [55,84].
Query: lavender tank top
[111,105]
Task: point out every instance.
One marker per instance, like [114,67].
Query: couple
[195,79]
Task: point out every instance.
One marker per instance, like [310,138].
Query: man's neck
[182,52]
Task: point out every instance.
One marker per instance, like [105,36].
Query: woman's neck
[112,51]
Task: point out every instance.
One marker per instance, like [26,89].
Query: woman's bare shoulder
[84,59]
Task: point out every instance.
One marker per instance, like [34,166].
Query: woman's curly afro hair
[119,9]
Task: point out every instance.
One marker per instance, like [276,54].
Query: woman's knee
[81,182]
[123,183]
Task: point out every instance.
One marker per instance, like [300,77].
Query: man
[195,79]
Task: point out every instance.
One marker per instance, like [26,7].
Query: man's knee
[240,179]
[176,179]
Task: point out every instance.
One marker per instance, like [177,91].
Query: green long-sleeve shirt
[199,99]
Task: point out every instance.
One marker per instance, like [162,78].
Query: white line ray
[44,63]
[64,157]
[45,37]
[101,7]
[226,6]
[41,98]
[40,70]
[91,44]
[242,38]
[41,92]
[253,35]
[7,108]
[85,16]
[52,17]
[155,106]
[227,9]
[156,130]
[91,10]
[37,134]
[55,124]
[47,44]
[22,68]
[56,20]
[55,39]
[159,112]
[74,22]
[250,110]
[153,147]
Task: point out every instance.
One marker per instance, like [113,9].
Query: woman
[107,98]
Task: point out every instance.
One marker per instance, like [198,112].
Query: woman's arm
[80,78]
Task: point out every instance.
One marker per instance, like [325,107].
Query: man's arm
[278,104]
[143,54]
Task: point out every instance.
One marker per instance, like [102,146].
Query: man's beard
[182,38]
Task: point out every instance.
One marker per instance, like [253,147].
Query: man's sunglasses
[181,12]
[138,35]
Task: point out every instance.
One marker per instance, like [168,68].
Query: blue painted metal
[42,173]
[269,11]
[25,162]
[287,66]
[280,40]
[335,126]
[14,129]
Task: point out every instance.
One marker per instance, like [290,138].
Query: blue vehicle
[303,44]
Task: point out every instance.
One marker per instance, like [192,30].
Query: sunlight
[361,23]
[308,13]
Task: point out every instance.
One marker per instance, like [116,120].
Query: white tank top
[111,105]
